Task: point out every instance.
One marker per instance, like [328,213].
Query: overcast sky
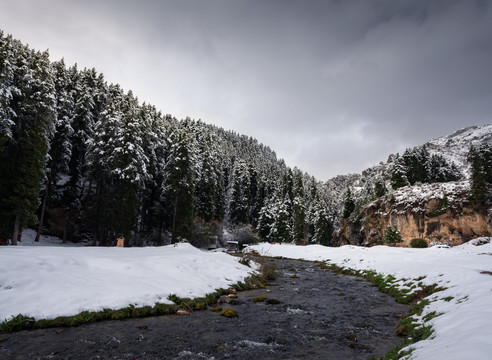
[332,86]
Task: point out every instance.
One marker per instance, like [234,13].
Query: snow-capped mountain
[454,148]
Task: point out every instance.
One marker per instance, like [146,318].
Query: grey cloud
[331,86]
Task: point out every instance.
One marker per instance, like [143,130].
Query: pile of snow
[464,330]
[29,237]
[46,282]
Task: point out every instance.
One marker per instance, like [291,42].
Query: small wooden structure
[120,242]
[212,242]
[232,246]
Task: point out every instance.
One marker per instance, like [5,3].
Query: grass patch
[259,299]
[229,313]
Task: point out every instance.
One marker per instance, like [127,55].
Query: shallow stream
[320,315]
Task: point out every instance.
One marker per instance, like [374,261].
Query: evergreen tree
[481,173]
[266,220]
[348,204]
[281,230]
[239,197]
[179,181]
[8,88]
[392,235]
[380,188]
[24,152]
[298,209]
[322,225]
[399,174]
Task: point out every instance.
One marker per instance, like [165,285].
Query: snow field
[47,282]
[464,330]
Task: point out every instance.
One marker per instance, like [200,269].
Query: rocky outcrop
[434,212]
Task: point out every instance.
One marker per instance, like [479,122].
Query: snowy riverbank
[464,330]
[47,281]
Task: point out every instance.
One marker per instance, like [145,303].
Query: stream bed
[320,315]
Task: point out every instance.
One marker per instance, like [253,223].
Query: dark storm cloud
[331,86]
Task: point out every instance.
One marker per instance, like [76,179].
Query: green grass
[229,313]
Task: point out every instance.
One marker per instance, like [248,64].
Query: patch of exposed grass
[229,313]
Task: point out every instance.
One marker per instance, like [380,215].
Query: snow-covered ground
[464,330]
[49,281]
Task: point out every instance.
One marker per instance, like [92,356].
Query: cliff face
[434,212]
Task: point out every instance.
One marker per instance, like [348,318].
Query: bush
[441,208]
[392,235]
[244,234]
[418,243]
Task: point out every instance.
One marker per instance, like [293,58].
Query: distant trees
[417,165]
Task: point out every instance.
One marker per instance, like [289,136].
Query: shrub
[418,243]
[392,235]
[441,208]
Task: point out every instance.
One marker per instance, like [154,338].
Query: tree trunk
[16,229]
[65,228]
[174,219]
[41,220]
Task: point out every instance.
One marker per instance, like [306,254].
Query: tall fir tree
[179,182]
[298,209]
[24,153]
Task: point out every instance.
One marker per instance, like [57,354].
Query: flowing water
[320,315]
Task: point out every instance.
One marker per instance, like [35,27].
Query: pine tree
[392,235]
[481,173]
[266,220]
[298,209]
[280,229]
[239,196]
[399,173]
[380,188]
[348,204]
[322,225]
[24,152]
[179,182]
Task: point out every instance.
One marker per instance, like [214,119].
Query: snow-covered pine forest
[87,161]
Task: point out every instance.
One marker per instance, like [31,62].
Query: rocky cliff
[435,212]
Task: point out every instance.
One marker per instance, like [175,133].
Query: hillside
[88,161]
[433,210]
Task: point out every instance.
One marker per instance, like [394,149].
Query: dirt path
[321,315]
